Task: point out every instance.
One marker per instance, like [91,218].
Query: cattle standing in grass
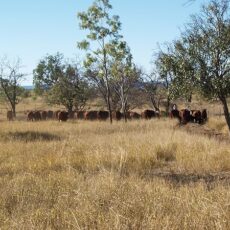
[117,115]
[184,116]
[43,115]
[9,115]
[63,116]
[37,116]
[91,115]
[175,114]
[102,115]
[204,115]
[148,114]
[196,116]
[134,115]
[50,114]
[80,115]
[30,116]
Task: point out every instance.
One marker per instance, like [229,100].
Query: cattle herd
[184,116]
[91,115]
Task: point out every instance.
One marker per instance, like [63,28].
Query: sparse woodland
[127,174]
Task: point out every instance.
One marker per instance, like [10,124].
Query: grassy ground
[91,175]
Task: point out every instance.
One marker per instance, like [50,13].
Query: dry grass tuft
[166,152]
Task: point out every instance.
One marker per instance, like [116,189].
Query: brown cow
[63,116]
[174,114]
[50,114]
[80,115]
[43,115]
[30,116]
[148,114]
[90,115]
[9,115]
[204,115]
[37,116]
[117,115]
[102,115]
[184,116]
[134,115]
[196,116]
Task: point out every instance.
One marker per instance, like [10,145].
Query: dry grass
[219,124]
[91,175]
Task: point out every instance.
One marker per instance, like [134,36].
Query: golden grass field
[93,175]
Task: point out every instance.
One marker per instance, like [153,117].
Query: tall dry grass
[93,175]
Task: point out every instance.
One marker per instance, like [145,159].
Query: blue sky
[31,29]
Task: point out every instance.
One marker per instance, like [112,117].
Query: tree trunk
[167,105]
[226,111]
[124,110]
[108,101]
[14,110]
[107,84]
[156,107]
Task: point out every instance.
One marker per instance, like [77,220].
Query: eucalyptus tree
[103,35]
[62,82]
[153,88]
[207,41]
[184,69]
[165,64]
[10,77]
[124,74]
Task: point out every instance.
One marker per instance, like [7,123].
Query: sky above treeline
[32,29]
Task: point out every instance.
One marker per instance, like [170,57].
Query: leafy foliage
[10,76]
[62,82]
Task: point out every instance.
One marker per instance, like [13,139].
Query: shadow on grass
[185,179]
[29,136]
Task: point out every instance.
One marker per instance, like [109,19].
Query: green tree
[124,74]
[103,36]
[205,43]
[153,88]
[62,82]
[10,77]
[165,68]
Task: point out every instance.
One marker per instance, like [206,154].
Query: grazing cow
[50,114]
[30,116]
[63,116]
[9,115]
[80,115]
[117,115]
[90,115]
[43,115]
[174,114]
[184,116]
[196,116]
[148,114]
[134,115]
[102,115]
[204,115]
[37,116]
